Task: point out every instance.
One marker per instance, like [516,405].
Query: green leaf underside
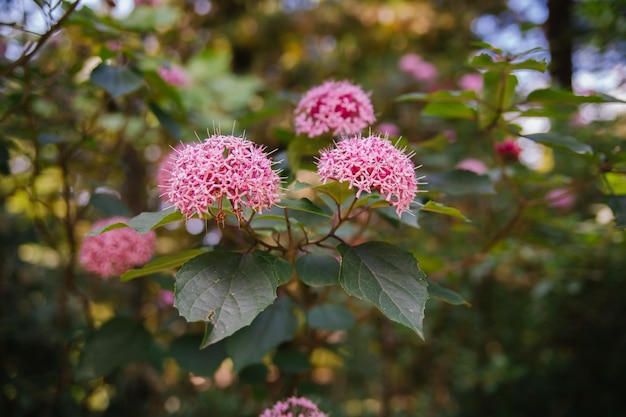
[389,278]
[561,142]
[117,81]
[228,290]
[275,325]
[446,295]
[163,263]
[186,350]
[330,317]
[434,207]
[118,342]
[144,222]
[318,270]
[460,182]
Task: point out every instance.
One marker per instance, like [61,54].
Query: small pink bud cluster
[414,65]
[509,149]
[114,252]
[174,75]
[337,107]
[221,166]
[294,407]
[371,164]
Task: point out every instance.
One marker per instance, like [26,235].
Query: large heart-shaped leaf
[228,290]
[388,277]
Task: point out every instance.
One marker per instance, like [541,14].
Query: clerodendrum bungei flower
[338,107]
[116,251]
[222,166]
[294,407]
[371,164]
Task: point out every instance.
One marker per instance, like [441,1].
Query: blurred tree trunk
[559,31]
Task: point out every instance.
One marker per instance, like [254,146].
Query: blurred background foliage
[85,119]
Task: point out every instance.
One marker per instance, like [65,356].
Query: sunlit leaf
[555,96]
[389,278]
[163,263]
[441,209]
[144,222]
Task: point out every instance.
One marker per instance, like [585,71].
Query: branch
[30,52]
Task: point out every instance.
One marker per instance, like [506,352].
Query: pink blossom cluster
[114,252]
[414,65]
[294,407]
[471,81]
[222,166]
[509,149]
[338,107]
[165,167]
[371,164]
[174,75]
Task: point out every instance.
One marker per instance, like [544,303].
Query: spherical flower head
[474,165]
[509,149]
[294,407]
[371,164]
[164,169]
[471,81]
[388,128]
[337,107]
[174,75]
[114,252]
[222,166]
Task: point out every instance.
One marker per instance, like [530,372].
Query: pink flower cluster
[174,75]
[371,164]
[294,407]
[116,251]
[221,166]
[165,167]
[414,65]
[338,107]
[509,149]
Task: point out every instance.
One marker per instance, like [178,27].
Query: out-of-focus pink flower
[471,81]
[222,166]
[335,106]
[174,75]
[509,149]
[165,298]
[294,407]
[578,120]
[414,65]
[450,134]
[147,2]
[389,129]
[471,164]
[560,198]
[116,251]
[371,164]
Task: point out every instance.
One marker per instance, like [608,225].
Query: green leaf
[389,278]
[163,263]
[330,317]
[186,350]
[151,18]
[301,150]
[449,110]
[318,270]
[486,61]
[441,96]
[613,183]
[228,290]
[166,120]
[460,182]
[304,205]
[340,192]
[117,81]
[446,295]
[434,207]
[275,325]
[561,142]
[563,97]
[408,218]
[109,205]
[119,341]
[144,222]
